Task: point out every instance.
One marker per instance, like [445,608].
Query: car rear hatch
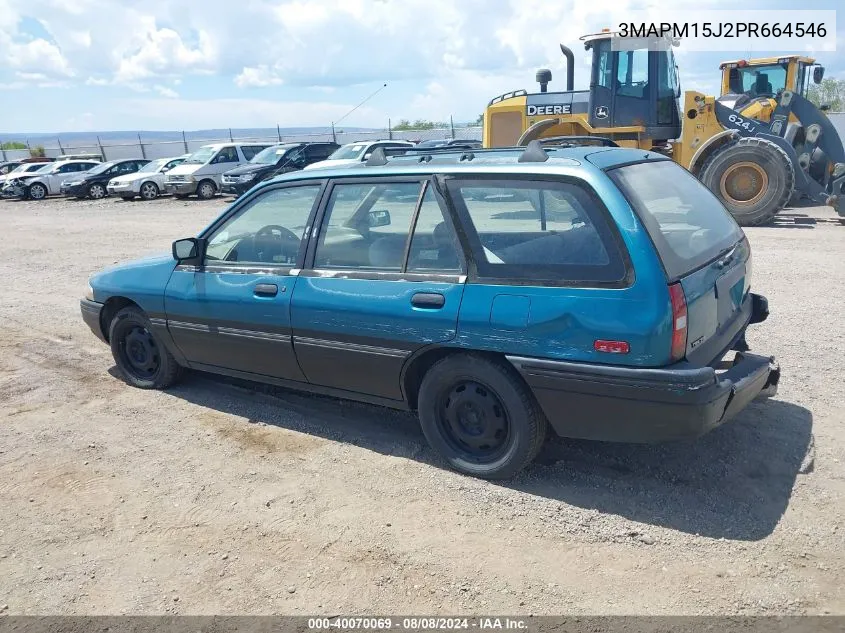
[705,254]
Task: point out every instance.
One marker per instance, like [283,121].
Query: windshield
[201,156]
[47,168]
[99,169]
[757,81]
[353,150]
[153,166]
[687,223]
[269,156]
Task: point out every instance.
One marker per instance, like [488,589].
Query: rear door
[701,247]
[376,290]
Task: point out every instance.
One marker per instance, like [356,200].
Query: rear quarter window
[688,225]
[543,230]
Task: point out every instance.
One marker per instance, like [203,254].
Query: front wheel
[206,190]
[752,177]
[149,190]
[480,416]
[141,358]
[97,191]
[36,191]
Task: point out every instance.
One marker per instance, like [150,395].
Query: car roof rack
[572,141]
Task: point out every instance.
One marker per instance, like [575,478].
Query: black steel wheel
[479,414]
[139,355]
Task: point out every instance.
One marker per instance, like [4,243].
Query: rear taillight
[679,322]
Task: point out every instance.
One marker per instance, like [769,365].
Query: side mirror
[378,218]
[818,74]
[186,249]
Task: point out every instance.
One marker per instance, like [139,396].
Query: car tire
[480,416]
[206,190]
[149,190]
[36,191]
[140,356]
[97,191]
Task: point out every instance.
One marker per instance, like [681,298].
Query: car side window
[434,245]
[270,229]
[68,168]
[544,230]
[227,155]
[366,226]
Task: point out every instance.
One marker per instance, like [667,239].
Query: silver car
[49,180]
[147,182]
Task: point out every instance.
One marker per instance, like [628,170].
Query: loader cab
[638,87]
[768,77]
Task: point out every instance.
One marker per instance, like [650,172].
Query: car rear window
[687,223]
[544,230]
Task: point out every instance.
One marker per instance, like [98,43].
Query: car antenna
[534,153]
[377,158]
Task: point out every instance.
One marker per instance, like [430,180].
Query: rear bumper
[91,315]
[121,189]
[77,190]
[622,404]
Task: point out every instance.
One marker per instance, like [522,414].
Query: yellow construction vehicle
[757,145]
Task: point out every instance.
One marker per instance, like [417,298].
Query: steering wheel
[285,239]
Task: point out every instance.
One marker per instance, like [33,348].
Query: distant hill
[108,137]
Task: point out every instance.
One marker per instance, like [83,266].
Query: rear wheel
[97,191]
[142,359]
[149,190]
[206,190]
[752,177]
[36,191]
[480,416]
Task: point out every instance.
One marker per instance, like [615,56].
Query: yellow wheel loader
[756,146]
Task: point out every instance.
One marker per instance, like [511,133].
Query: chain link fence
[152,148]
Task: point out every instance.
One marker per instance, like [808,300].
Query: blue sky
[87,65]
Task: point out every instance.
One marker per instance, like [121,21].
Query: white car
[49,180]
[356,153]
[20,169]
[147,182]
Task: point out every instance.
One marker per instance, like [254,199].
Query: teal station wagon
[599,292]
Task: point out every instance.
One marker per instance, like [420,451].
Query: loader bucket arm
[822,193]
[536,130]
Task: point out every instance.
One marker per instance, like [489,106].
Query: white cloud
[164,91]
[257,77]
[38,57]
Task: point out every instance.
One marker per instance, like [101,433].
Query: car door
[367,299]
[227,158]
[66,172]
[232,312]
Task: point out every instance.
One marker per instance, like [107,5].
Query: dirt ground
[236,499]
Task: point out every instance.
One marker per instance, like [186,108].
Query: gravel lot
[229,498]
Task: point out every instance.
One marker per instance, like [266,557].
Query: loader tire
[753,178]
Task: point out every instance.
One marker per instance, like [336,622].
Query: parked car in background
[8,166]
[450,143]
[21,169]
[95,157]
[275,160]
[92,184]
[353,154]
[202,172]
[147,182]
[601,294]
[49,179]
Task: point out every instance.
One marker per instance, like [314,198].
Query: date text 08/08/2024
[416,623]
